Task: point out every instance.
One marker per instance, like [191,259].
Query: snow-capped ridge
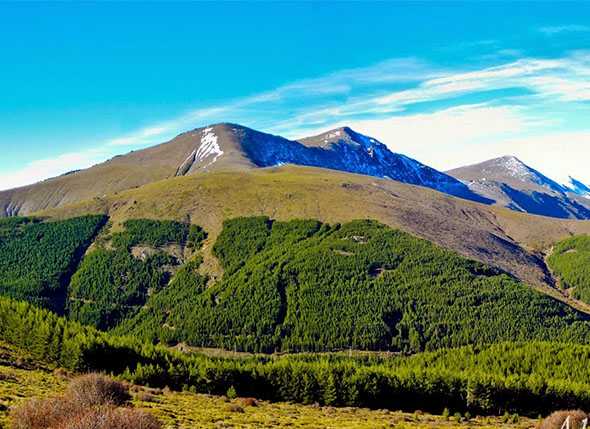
[578,188]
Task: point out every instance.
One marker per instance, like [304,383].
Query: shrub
[558,418]
[41,413]
[111,418]
[96,389]
[231,393]
[90,402]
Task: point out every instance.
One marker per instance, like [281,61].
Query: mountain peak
[515,167]
[342,135]
[506,169]
[514,184]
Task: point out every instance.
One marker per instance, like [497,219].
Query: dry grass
[556,420]
[111,418]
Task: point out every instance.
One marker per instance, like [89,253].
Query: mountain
[513,184]
[346,150]
[496,236]
[229,147]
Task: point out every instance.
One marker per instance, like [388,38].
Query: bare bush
[90,402]
[41,413]
[96,389]
[108,417]
[558,418]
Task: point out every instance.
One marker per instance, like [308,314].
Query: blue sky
[446,83]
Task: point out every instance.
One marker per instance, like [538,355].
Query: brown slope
[493,235]
[128,171]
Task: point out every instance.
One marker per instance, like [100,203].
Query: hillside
[187,410]
[570,261]
[525,378]
[495,236]
[298,285]
[307,286]
[37,259]
[513,184]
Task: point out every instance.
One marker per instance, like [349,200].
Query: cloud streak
[430,112]
[573,28]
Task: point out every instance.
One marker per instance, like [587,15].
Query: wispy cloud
[422,109]
[572,28]
[41,169]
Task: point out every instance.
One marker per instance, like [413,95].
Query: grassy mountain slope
[307,286]
[496,236]
[227,147]
[121,172]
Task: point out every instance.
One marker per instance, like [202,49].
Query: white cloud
[42,169]
[565,89]
[446,138]
[374,100]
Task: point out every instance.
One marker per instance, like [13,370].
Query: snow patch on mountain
[209,147]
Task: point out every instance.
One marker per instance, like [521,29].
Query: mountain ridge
[227,146]
[513,184]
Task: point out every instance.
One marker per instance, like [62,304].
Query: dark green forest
[287,286]
[306,286]
[526,378]
[570,261]
[37,258]
[493,344]
[112,284]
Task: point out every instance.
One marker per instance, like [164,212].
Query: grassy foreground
[21,379]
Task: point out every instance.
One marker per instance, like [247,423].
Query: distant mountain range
[504,181]
[513,184]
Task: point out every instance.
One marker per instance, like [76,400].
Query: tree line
[483,380]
